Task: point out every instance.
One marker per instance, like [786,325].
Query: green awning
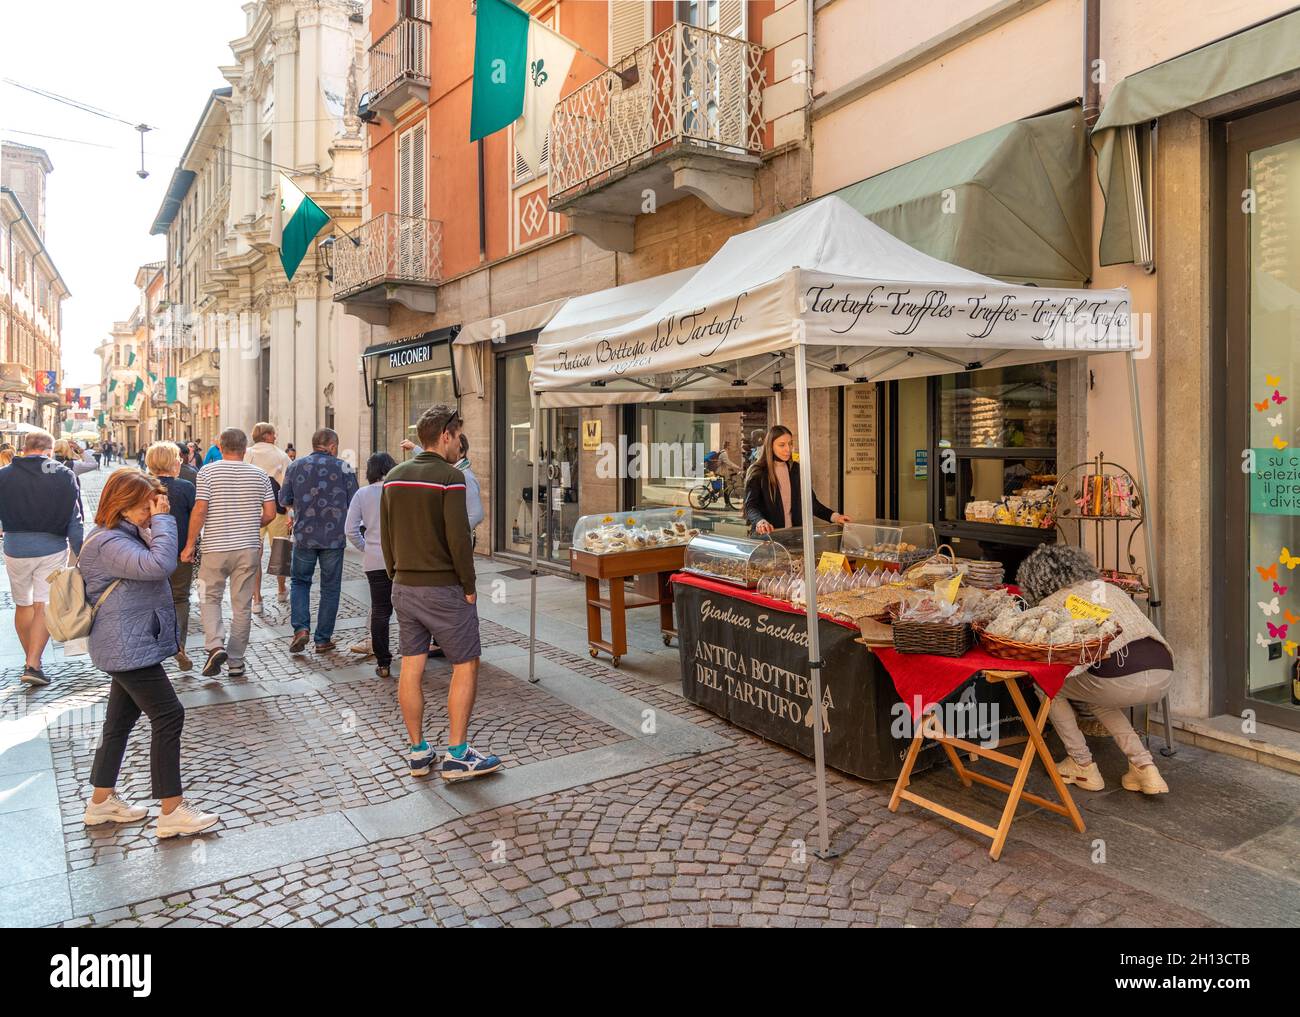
[1011,203]
[1121,136]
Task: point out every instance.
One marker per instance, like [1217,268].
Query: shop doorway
[558,485]
[1261,226]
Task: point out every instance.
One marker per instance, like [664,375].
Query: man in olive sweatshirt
[429,556]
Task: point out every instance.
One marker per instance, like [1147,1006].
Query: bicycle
[714,488]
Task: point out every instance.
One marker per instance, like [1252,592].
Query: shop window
[995,448]
[695,453]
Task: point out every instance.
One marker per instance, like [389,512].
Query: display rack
[1112,534]
[1115,559]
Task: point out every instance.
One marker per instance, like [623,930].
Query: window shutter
[404,174]
[629,27]
[731,18]
[417,171]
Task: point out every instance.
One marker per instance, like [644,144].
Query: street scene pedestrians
[619,804]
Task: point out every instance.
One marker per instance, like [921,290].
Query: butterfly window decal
[1259,639]
[1276,631]
[1280,590]
[1288,559]
[1269,607]
[1275,421]
[1269,573]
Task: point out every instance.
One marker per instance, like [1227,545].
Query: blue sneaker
[475,764]
[421,761]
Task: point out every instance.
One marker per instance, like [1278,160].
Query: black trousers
[147,690]
[381,613]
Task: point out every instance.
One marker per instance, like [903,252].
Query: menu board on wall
[860,430]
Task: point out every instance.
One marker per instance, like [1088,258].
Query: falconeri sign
[411,355]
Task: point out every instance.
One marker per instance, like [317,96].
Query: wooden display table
[658,562]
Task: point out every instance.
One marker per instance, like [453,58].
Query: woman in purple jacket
[126,564]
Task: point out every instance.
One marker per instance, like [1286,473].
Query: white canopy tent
[828,293]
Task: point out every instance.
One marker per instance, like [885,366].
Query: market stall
[825,292]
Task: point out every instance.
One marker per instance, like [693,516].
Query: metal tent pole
[535,449]
[810,598]
[1148,531]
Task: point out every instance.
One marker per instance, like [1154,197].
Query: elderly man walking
[232,502]
[318,487]
[263,454]
[41,517]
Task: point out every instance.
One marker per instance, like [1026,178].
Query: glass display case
[737,560]
[888,542]
[616,532]
[826,537]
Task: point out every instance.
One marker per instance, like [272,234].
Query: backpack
[69,615]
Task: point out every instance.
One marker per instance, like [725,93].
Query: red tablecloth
[923,679]
[740,593]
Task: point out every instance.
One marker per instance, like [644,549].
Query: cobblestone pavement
[602,817]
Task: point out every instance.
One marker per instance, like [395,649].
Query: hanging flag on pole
[519,70]
[294,225]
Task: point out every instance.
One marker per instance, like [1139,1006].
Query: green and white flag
[519,70]
[295,224]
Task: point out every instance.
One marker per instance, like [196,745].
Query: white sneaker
[362,647]
[113,810]
[257,607]
[184,820]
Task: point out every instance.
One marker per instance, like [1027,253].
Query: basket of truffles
[1046,634]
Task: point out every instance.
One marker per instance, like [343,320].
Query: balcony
[392,259]
[399,68]
[691,124]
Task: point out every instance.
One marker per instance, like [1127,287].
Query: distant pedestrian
[318,488]
[128,561]
[188,472]
[233,501]
[214,452]
[263,454]
[291,452]
[473,493]
[164,462]
[40,515]
[362,528]
[424,530]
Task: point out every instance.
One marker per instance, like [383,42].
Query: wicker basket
[918,578]
[930,637]
[1067,653]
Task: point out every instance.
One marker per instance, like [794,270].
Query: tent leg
[810,598]
[535,442]
[1148,532]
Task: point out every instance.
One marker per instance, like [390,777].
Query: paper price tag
[946,589]
[833,561]
[1081,609]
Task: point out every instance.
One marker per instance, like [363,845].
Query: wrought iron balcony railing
[391,248]
[400,54]
[695,87]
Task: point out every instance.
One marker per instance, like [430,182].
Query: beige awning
[466,353]
[1121,137]
[1011,203]
[568,316]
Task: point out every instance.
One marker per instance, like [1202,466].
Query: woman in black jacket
[772,499]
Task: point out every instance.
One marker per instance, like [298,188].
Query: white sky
[150,61]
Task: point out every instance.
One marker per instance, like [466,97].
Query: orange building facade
[639,180]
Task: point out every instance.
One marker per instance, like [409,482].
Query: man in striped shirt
[233,501]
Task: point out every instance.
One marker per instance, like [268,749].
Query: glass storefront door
[558,471]
[1262,206]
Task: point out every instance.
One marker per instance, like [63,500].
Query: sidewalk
[620,804]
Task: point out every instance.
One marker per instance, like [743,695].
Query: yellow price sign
[833,561]
[946,589]
[1081,609]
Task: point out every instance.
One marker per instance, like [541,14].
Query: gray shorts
[438,613]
